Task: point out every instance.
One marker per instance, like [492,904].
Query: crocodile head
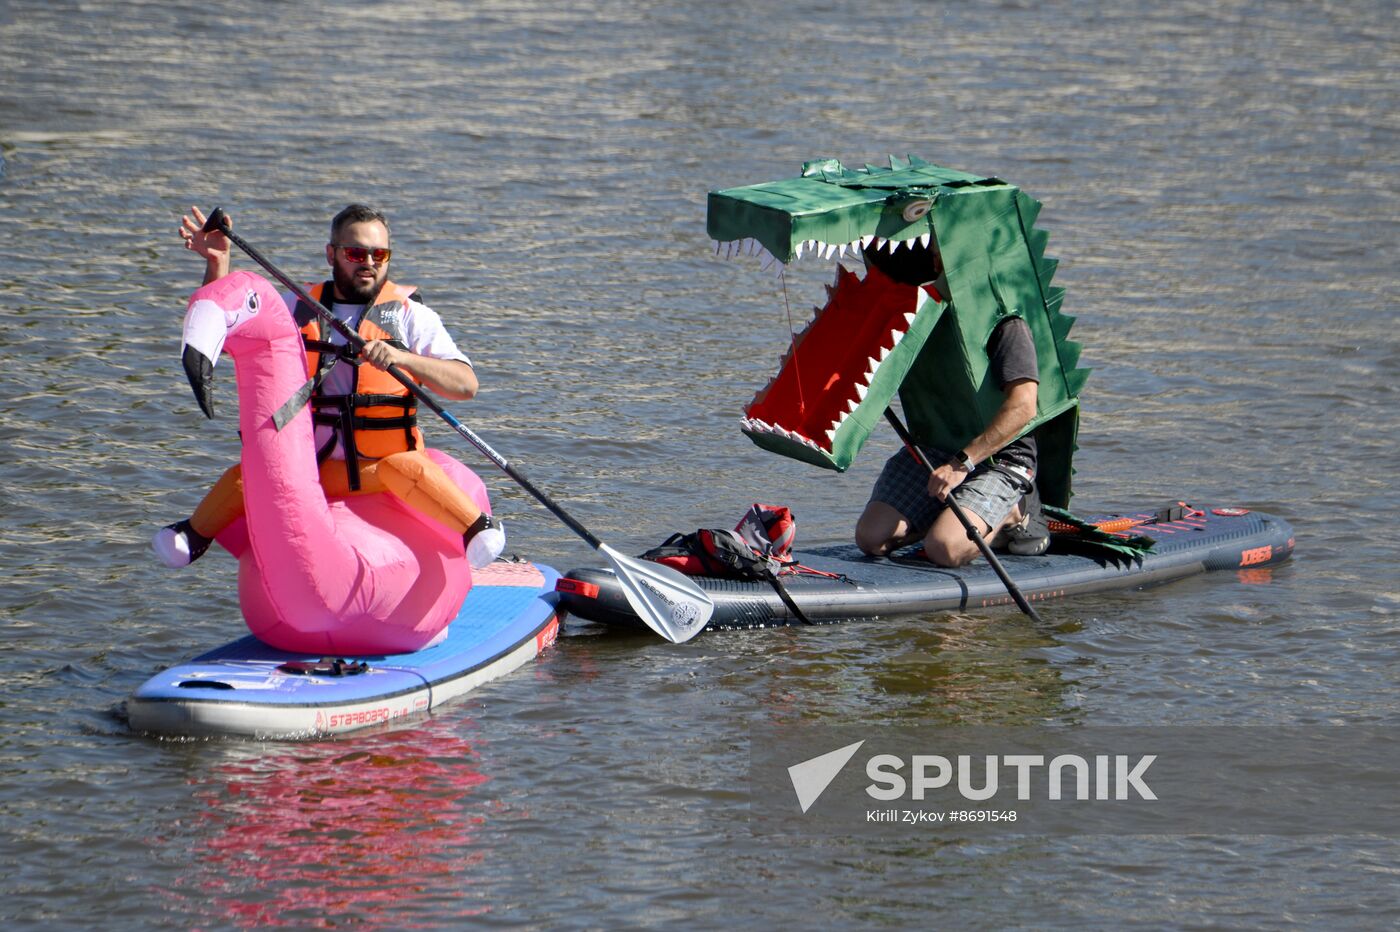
[829,209]
[943,249]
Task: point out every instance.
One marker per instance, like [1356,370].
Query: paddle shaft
[961,515]
[218,220]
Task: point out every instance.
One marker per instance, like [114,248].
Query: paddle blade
[672,605]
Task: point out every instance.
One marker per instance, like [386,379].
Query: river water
[1220,182]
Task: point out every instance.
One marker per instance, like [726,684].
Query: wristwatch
[964,461]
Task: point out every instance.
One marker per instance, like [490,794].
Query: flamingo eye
[252,303]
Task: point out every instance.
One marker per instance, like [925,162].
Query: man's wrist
[215,268]
[964,462]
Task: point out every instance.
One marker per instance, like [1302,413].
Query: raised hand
[213,246]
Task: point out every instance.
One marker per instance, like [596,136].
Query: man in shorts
[992,477]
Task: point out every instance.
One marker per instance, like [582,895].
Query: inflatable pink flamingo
[359,575]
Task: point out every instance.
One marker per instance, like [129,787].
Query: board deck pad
[247,688]
[1207,538]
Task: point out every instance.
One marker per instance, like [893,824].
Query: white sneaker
[178,545]
[486,544]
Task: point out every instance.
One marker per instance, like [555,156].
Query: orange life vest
[380,416]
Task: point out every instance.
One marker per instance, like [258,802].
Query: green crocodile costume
[876,337]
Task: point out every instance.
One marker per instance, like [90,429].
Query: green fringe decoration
[1092,542]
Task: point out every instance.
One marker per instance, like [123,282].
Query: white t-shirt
[422,330]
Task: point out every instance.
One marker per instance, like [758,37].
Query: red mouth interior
[818,379]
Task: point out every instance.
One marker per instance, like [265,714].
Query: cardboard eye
[914,210]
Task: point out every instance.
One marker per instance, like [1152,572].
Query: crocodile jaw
[751,248]
[843,370]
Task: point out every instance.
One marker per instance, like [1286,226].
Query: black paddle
[671,605]
[961,515]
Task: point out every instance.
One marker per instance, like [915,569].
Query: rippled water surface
[1220,181]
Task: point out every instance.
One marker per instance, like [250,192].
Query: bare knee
[873,540]
[881,530]
[948,553]
[950,547]
[871,544]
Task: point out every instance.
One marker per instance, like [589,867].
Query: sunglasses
[364,253]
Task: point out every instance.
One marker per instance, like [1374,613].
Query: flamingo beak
[200,371]
[206,327]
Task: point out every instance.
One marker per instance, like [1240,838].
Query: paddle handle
[961,515]
[218,220]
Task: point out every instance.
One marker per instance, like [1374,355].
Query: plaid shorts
[990,492]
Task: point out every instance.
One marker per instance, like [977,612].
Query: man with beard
[366,431]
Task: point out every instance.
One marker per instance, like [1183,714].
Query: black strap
[335,412]
[779,588]
[283,415]
[362,400]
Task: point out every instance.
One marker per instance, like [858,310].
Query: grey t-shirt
[1011,350]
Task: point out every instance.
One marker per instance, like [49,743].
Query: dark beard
[351,290]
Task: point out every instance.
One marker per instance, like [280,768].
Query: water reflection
[945,668]
[368,832]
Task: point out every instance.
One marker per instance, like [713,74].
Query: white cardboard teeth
[825,250]
[758,426]
[750,246]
